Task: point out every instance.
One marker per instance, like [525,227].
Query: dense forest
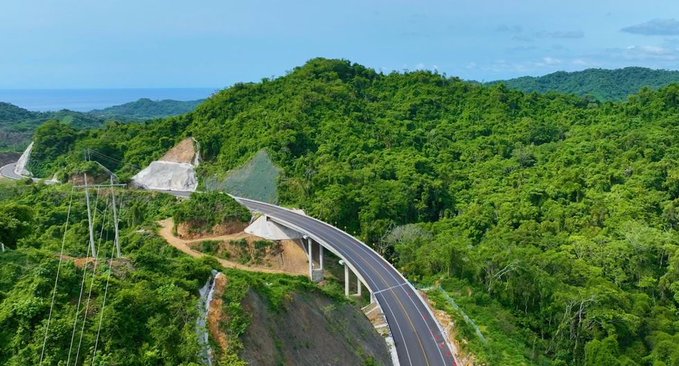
[549,220]
[604,85]
[17,125]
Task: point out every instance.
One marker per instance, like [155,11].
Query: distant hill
[604,85]
[145,108]
[18,124]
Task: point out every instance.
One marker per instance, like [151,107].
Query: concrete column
[358,286]
[320,255]
[346,280]
[310,245]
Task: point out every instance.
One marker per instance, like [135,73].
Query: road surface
[418,337]
[7,171]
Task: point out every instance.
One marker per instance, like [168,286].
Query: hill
[604,85]
[145,108]
[17,125]
[550,220]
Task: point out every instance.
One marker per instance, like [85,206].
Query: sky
[57,44]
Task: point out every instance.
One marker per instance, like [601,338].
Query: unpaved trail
[294,261]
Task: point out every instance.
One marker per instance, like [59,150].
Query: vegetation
[551,219]
[17,125]
[204,211]
[144,109]
[604,85]
[150,310]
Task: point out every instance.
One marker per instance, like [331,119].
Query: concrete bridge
[417,334]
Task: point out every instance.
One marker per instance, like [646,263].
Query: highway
[417,335]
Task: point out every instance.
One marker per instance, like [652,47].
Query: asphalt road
[417,335]
[7,171]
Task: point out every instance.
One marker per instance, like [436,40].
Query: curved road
[7,171]
[418,336]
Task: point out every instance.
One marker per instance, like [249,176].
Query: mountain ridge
[18,124]
[602,84]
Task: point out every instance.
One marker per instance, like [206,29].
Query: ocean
[84,100]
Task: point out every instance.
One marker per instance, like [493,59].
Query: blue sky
[214,43]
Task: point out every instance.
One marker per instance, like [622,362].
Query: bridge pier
[310,252]
[316,274]
[346,280]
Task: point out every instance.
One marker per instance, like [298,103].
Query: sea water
[85,100]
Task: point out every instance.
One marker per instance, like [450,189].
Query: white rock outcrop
[176,171]
[167,176]
[20,168]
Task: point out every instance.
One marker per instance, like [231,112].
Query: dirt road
[293,262]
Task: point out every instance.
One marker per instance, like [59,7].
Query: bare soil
[183,152]
[311,329]
[186,231]
[120,266]
[291,260]
[215,316]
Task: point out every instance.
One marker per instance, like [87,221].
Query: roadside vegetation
[205,211]
[551,219]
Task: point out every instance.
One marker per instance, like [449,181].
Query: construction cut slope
[175,171]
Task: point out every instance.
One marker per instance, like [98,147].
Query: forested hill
[145,108]
[604,85]
[17,125]
[551,220]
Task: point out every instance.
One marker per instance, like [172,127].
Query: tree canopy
[601,84]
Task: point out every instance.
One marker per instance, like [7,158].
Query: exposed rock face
[175,171]
[20,168]
[164,175]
